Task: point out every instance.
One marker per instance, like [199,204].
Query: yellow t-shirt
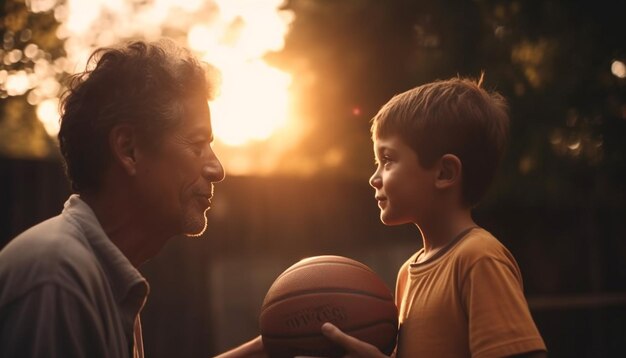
[466,302]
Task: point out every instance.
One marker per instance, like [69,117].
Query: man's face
[403,188]
[177,177]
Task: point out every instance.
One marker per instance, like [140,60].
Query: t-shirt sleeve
[50,321]
[500,323]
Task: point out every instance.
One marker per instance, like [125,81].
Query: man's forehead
[197,105]
[197,116]
[198,125]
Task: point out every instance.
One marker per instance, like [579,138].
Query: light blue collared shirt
[67,291]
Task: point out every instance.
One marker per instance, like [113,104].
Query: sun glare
[252,103]
[253,98]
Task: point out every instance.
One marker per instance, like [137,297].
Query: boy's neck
[438,233]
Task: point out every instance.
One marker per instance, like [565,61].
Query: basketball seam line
[360,266]
[313,335]
[324,290]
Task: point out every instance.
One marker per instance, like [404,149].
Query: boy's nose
[375,181]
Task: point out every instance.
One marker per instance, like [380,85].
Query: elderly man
[136,138]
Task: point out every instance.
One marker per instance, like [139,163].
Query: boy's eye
[382,161]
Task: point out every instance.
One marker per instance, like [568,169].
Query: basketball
[323,289]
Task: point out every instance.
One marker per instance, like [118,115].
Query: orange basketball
[323,289]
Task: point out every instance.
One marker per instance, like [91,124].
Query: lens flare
[618,68]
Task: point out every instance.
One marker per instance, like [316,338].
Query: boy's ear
[450,171]
[123,143]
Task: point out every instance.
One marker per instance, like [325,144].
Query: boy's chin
[389,220]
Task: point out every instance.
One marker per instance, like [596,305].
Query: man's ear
[123,142]
[450,171]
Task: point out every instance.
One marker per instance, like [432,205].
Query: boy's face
[404,189]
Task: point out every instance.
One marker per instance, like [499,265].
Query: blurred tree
[551,59]
[29,73]
[346,58]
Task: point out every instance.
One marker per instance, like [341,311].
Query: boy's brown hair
[454,116]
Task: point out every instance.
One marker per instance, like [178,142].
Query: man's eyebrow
[204,131]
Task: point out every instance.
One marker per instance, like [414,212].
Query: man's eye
[198,147]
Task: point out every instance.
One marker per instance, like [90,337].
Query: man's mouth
[204,199]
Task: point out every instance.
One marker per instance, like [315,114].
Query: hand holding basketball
[323,289]
[354,347]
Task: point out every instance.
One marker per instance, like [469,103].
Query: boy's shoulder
[480,244]
[476,246]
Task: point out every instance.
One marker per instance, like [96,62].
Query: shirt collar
[126,281]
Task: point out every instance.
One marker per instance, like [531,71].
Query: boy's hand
[354,347]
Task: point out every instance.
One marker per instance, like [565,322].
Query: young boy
[437,148]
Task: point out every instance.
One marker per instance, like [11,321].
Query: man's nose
[213,170]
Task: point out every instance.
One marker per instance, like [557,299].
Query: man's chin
[195,235]
[196,227]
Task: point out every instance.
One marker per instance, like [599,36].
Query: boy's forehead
[392,143]
[386,140]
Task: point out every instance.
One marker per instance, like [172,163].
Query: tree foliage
[29,50]
[551,59]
